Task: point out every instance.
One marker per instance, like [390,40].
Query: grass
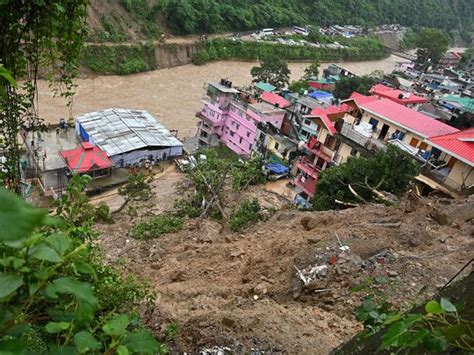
[156,226]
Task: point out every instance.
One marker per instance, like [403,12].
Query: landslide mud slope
[242,291]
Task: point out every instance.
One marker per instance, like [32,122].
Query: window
[232,133]
[307,122]
[248,134]
[240,140]
[414,142]
[374,122]
[354,152]
[277,145]
[250,146]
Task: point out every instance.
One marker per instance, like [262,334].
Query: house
[398,96]
[128,136]
[454,157]
[451,59]
[272,143]
[457,103]
[275,100]
[324,84]
[230,117]
[374,123]
[42,162]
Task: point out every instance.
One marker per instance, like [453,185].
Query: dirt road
[173,95]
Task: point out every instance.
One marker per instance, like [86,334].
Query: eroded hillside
[245,291]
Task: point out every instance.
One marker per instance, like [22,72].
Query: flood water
[172,95]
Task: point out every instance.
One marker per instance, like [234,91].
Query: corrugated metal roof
[118,131]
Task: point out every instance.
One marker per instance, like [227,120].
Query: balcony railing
[319,149]
[348,131]
[307,184]
[308,167]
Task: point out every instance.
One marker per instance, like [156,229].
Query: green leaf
[57,327]
[382,280]
[85,342]
[374,314]
[394,335]
[414,339]
[436,342]
[447,306]
[83,293]
[141,342]
[17,218]
[45,253]
[454,331]
[122,350]
[433,307]
[116,326]
[9,284]
[59,242]
[12,347]
[84,268]
[368,305]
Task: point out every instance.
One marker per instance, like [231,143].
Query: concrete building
[231,118]
[128,136]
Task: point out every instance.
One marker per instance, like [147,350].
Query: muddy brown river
[172,95]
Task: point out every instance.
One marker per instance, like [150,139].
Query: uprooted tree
[362,179]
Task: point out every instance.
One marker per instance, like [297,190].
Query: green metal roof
[265,86]
[466,102]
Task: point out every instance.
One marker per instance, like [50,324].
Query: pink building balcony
[320,150]
[308,166]
[307,184]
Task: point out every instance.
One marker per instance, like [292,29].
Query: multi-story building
[231,117]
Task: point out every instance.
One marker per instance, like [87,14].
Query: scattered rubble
[288,284]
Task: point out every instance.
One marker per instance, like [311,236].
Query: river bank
[172,95]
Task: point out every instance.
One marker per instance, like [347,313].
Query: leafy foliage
[222,49]
[56,294]
[432,44]
[156,226]
[121,59]
[34,33]
[440,328]
[389,170]
[346,86]
[247,214]
[136,187]
[312,71]
[206,16]
[273,71]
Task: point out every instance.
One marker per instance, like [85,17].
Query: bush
[247,214]
[187,208]
[156,226]
[136,187]
[390,170]
[102,213]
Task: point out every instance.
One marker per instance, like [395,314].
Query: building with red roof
[275,99]
[398,96]
[457,151]
[87,159]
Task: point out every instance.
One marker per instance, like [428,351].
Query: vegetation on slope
[206,16]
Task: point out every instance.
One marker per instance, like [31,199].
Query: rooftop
[466,103]
[397,96]
[118,131]
[265,86]
[224,88]
[48,144]
[409,119]
[460,145]
[86,157]
[275,99]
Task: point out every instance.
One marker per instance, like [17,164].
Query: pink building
[231,118]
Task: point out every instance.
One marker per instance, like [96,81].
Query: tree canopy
[312,71]
[35,33]
[361,179]
[199,16]
[273,71]
[432,43]
[346,86]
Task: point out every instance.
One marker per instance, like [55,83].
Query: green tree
[273,71]
[34,33]
[432,44]
[346,86]
[362,179]
[312,71]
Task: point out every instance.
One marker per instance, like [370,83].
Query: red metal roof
[273,99]
[459,144]
[86,157]
[360,99]
[409,119]
[394,95]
